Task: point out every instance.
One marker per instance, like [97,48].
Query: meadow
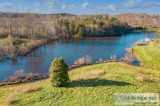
[93,85]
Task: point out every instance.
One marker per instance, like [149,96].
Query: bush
[83,61]
[59,73]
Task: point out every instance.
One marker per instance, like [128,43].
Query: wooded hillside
[67,25]
[140,19]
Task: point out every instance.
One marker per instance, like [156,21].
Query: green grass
[93,85]
[149,55]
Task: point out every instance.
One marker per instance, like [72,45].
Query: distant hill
[15,15]
[131,19]
[70,25]
[140,19]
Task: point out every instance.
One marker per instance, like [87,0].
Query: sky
[81,6]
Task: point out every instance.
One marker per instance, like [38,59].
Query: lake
[40,59]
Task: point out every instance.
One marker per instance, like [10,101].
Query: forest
[37,26]
[145,20]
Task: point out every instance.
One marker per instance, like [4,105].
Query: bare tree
[9,25]
[16,28]
[30,23]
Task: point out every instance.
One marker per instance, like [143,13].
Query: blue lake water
[40,59]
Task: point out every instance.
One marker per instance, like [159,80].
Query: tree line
[28,26]
[38,26]
[94,25]
[137,20]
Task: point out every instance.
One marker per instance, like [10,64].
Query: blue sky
[81,6]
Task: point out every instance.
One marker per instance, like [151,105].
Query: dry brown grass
[5,41]
[24,88]
[31,88]
[10,99]
[27,88]
[111,75]
[143,78]
[90,74]
[140,78]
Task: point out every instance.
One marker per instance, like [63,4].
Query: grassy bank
[93,85]
[149,55]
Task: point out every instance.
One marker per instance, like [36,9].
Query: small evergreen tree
[59,73]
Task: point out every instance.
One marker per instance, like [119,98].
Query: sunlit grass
[93,85]
[149,55]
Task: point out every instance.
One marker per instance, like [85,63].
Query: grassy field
[149,55]
[92,85]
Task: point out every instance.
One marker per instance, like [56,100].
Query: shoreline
[27,49]
[45,76]
[24,50]
[37,77]
[41,44]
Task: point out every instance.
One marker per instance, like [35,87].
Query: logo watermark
[136,98]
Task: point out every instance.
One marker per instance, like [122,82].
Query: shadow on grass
[33,90]
[96,82]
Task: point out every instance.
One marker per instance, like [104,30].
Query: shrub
[21,77]
[100,60]
[59,73]
[20,74]
[140,43]
[113,57]
[129,58]
[83,61]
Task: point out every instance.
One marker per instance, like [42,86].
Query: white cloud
[152,4]
[10,7]
[6,5]
[85,5]
[133,4]
[64,6]
[53,6]
[50,3]
[107,8]
[111,7]
[67,6]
